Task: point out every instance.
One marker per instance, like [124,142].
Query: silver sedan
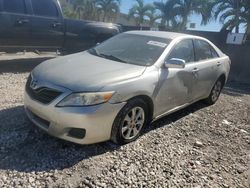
[112,91]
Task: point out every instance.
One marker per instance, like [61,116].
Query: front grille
[44,95]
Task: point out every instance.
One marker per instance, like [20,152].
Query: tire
[124,122]
[215,93]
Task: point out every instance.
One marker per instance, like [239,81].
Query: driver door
[176,85]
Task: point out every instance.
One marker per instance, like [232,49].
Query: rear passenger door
[206,67]
[47,24]
[15,23]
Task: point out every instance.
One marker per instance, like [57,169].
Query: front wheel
[215,93]
[129,122]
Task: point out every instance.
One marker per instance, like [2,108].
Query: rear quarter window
[214,53]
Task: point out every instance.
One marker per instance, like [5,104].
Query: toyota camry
[115,89]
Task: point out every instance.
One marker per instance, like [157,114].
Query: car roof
[162,34]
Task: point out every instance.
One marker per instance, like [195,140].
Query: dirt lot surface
[200,146]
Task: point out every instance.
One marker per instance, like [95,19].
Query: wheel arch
[223,78]
[149,103]
[115,128]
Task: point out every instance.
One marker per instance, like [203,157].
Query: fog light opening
[77,133]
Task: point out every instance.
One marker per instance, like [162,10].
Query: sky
[212,26]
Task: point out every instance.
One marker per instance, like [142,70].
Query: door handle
[195,70]
[56,24]
[22,21]
[218,64]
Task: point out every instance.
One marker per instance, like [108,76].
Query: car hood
[84,72]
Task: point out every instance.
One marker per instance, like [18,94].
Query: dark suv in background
[39,25]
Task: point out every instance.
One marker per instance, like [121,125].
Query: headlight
[85,99]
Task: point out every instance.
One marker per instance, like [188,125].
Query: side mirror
[175,63]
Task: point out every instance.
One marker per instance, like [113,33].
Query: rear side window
[44,8]
[204,50]
[183,50]
[214,53]
[14,6]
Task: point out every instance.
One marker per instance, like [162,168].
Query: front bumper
[96,120]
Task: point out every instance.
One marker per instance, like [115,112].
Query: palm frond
[226,15]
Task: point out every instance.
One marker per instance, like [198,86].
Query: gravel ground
[200,146]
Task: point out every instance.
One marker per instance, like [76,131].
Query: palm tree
[153,16]
[85,9]
[176,12]
[185,8]
[167,12]
[231,13]
[68,12]
[139,11]
[109,8]
[90,10]
[78,7]
[205,9]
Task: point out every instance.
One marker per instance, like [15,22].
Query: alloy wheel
[133,123]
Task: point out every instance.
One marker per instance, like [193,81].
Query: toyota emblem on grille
[33,84]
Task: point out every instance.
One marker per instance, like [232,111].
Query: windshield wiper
[111,57]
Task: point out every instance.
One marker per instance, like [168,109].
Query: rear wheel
[129,122]
[215,93]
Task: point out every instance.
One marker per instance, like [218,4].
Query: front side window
[14,6]
[45,8]
[183,50]
[204,50]
[132,49]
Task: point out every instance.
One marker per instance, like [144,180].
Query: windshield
[133,49]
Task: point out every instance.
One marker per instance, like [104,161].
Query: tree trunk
[184,23]
[79,15]
[151,23]
[167,24]
[141,20]
[163,22]
[237,29]
[104,16]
